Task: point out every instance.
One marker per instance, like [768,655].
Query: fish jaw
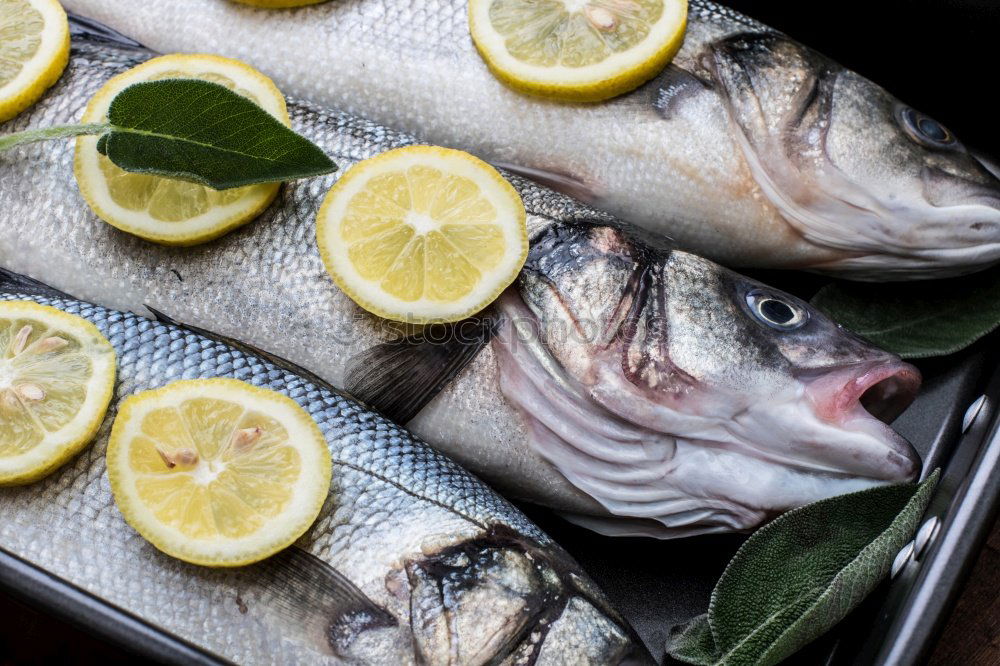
[937,226]
[767,453]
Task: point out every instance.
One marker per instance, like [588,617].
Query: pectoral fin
[22,284]
[398,378]
[319,601]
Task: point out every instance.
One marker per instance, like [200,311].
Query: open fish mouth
[864,399]
[881,390]
[843,416]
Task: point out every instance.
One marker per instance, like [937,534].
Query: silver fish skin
[636,388]
[452,573]
[750,149]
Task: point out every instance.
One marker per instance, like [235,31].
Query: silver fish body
[634,387]
[750,148]
[412,560]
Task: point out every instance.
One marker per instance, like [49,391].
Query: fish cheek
[865,142]
[713,338]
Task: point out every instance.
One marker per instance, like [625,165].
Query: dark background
[941,56]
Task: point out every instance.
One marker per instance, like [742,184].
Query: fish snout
[860,401]
[966,206]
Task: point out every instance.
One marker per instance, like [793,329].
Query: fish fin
[554,180]
[398,378]
[162,318]
[274,359]
[318,599]
[81,26]
[672,86]
[22,284]
[618,526]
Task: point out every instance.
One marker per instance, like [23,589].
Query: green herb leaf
[202,132]
[919,319]
[800,575]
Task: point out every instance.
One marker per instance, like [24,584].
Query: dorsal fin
[81,26]
[673,86]
[22,284]
[554,180]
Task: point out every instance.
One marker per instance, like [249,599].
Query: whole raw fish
[637,388]
[412,561]
[750,148]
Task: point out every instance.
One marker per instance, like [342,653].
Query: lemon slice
[577,50]
[57,374]
[216,471]
[422,234]
[173,212]
[34,50]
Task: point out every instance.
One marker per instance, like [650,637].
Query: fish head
[502,598]
[677,390]
[887,191]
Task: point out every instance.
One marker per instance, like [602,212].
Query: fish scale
[393,500]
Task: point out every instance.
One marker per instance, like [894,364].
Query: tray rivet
[972,412]
[902,559]
[925,535]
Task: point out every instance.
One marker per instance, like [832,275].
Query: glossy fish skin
[617,469]
[750,149]
[452,573]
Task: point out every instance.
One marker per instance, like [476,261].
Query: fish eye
[925,130]
[775,311]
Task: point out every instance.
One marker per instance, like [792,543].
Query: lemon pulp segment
[34,51]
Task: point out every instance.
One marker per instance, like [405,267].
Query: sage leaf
[801,574]
[920,319]
[194,130]
[9,141]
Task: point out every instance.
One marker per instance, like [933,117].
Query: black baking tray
[658,584]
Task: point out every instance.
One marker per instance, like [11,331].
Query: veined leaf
[801,574]
[203,132]
[919,319]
